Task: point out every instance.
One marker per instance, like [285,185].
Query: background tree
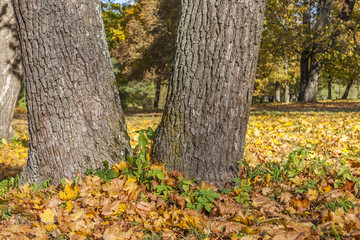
[74,113]
[10,67]
[142,39]
[202,132]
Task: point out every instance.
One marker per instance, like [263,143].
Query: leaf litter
[300,180]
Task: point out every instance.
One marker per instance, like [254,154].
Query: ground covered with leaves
[299,180]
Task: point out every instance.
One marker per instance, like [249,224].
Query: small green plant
[7,184]
[5,213]
[163,189]
[203,199]
[106,174]
[295,163]
[243,188]
[184,185]
[226,191]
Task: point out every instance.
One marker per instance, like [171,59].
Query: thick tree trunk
[347,90]
[329,88]
[313,82]
[202,133]
[278,92]
[305,55]
[287,94]
[74,113]
[10,67]
[157,93]
[304,75]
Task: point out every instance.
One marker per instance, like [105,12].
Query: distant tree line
[306,45]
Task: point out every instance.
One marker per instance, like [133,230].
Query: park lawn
[300,177]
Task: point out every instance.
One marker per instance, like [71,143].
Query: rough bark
[347,90]
[313,81]
[287,94]
[329,88]
[202,133]
[10,67]
[74,114]
[278,92]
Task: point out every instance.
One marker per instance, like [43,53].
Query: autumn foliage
[300,180]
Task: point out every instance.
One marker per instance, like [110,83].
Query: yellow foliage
[69,193]
[47,216]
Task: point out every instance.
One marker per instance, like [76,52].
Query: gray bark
[287,94]
[347,90]
[313,82]
[278,92]
[10,67]
[74,114]
[202,133]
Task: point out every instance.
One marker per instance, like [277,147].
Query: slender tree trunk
[287,94]
[74,113]
[347,90]
[278,92]
[157,93]
[10,67]
[329,88]
[202,133]
[313,82]
[287,88]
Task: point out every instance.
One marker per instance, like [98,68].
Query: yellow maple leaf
[69,193]
[122,208]
[47,216]
[120,166]
[50,227]
[313,194]
[69,206]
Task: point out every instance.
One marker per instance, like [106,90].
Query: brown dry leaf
[335,193]
[174,196]
[266,191]
[350,186]
[114,187]
[109,208]
[169,235]
[300,205]
[285,197]
[297,181]
[144,208]
[282,235]
[53,202]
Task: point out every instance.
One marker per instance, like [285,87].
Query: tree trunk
[347,90]
[10,67]
[305,55]
[278,92]
[304,75]
[329,88]
[287,94]
[313,82]
[202,133]
[74,113]
[157,93]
